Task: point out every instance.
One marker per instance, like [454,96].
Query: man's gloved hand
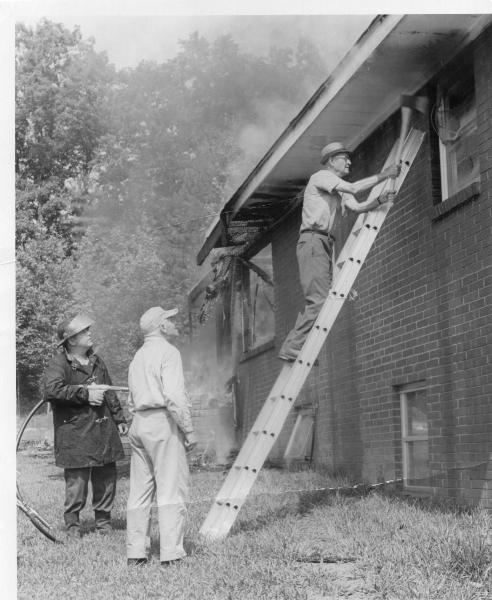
[96,394]
[190,441]
[392,171]
[387,197]
[123,428]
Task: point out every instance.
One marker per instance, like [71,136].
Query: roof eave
[381,27]
[368,41]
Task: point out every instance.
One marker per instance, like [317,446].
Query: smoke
[333,35]
[211,395]
[254,139]
[129,39]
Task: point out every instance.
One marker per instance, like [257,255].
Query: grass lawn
[384,547]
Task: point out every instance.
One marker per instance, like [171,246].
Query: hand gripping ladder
[272,416]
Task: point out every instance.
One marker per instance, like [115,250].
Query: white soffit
[396,55]
[417,48]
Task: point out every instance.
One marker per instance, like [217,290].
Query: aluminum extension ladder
[292,376]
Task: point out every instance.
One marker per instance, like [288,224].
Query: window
[415,437]
[258,314]
[300,445]
[456,126]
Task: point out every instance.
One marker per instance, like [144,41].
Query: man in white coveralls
[160,434]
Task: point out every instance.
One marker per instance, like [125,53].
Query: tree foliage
[146,156]
[61,103]
[61,85]
[162,171]
[43,290]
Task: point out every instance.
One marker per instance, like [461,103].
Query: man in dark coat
[87,424]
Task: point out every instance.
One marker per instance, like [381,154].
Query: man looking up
[326,198]
[87,424]
[160,433]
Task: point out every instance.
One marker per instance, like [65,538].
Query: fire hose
[36,519]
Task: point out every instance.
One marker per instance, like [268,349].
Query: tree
[43,295]
[61,91]
[61,85]
[162,173]
[144,155]
[121,272]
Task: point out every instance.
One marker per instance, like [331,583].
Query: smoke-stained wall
[208,370]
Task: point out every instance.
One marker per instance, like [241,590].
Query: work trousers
[158,471]
[103,480]
[315,259]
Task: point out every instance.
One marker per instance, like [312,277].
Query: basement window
[455,121]
[258,314]
[415,437]
[300,445]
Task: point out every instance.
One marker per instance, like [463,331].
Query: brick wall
[423,315]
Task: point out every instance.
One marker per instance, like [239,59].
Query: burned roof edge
[378,28]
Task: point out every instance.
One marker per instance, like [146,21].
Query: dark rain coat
[85,435]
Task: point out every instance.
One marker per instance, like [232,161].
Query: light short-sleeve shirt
[323,205]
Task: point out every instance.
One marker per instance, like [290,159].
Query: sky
[129,39]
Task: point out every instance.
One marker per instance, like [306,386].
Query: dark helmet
[70,327]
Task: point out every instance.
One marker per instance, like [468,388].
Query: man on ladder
[326,198]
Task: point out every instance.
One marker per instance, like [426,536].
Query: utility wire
[355,487]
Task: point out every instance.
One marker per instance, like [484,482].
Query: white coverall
[158,468]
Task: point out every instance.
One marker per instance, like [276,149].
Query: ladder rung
[269,422]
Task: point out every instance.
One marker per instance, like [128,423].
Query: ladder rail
[347,272]
[271,418]
[249,442]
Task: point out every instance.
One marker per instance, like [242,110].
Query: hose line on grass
[36,519]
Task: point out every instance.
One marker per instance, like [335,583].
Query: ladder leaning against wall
[291,378]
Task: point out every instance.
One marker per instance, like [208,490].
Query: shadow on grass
[306,502]
[309,500]
[190,547]
[88,529]
[89,526]
[119,524]
[428,504]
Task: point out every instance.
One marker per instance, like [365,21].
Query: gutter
[377,31]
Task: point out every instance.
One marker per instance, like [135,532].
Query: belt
[321,232]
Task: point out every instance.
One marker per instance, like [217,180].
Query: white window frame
[303,413]
[248,311]
[468,126]
[407,438]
